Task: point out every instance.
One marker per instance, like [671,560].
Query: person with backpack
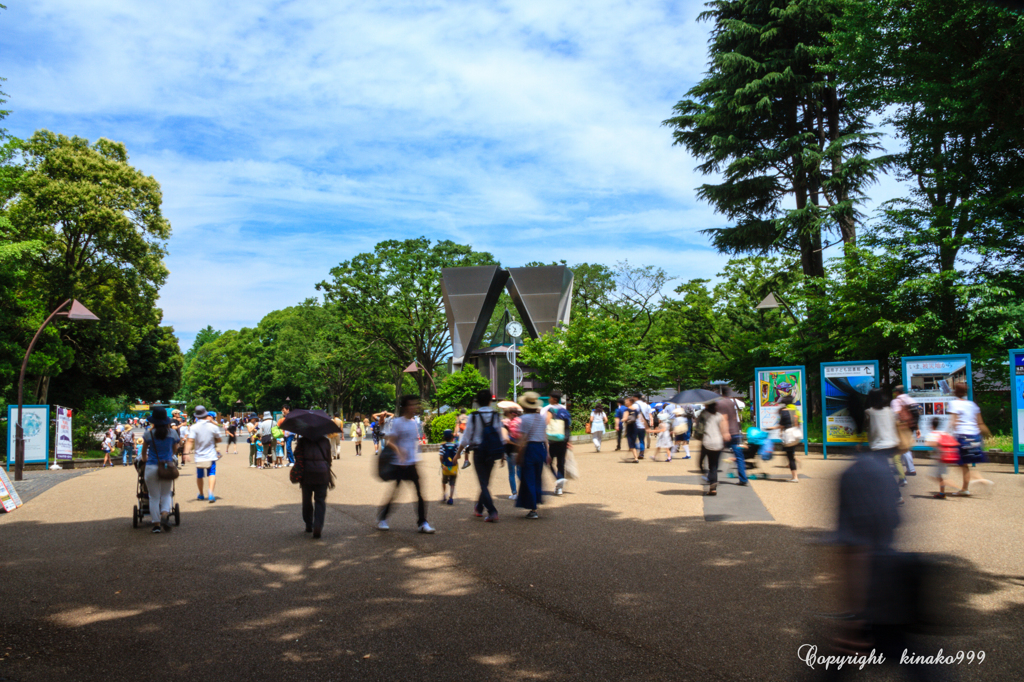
[485,437]
[449,466]
[558,423]
[630,416]
[945,451]
[269,442]
[908,414]
[709,432]
[789,418]
[642,422]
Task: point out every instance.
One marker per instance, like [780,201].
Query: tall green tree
[792,154]
[392,297]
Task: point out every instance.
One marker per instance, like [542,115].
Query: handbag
[387,464]
[588,427]
[295,473]
[167,470]
[792,436]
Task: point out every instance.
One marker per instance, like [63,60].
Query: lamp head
[80,312]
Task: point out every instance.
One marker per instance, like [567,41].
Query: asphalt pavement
[632,574]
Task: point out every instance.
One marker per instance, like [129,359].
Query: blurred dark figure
[883,589]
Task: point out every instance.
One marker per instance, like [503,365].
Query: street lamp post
[77,312]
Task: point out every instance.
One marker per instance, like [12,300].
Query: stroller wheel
[177,515]
[135,516]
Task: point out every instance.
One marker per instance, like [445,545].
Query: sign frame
[803,399]
[966,357]
[12,434]
[824,409]
[1016,403]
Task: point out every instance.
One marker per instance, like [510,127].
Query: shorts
[448,480]
[200,472]
[232,439]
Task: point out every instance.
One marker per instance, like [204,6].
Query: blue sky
[290,136]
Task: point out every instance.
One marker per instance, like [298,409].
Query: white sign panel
[63,447]
[35,424]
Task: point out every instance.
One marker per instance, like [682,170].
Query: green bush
[441,422]
[459,389]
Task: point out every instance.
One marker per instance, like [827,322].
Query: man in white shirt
[403,437]
[641,424]
[202,441]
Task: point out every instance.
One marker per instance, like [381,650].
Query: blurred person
[945,450]
[789,417]
[251,439]
[317,478]
[511,423]
[288,435]
[967,427]
[883,436]
[709,431]
[267,439]
[727,407]
[106,446]
[202,442]
[532,454]
[682,427]
[232,431]
[559,430]
[663,438]
[159,444]
[642,422]
[629,419]
[598,421]
[403,438]
[449,455]
[485,436]
[357,436]
[907,413]
[619,412]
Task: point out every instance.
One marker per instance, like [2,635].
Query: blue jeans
[641,441]
[513,471]
[741,465]
[288,448]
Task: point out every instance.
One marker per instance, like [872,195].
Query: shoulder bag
[167,470]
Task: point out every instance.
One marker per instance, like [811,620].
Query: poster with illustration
[930,381]
[774,384]
[63,447]
[844,390]
[1017,387]
[36,429]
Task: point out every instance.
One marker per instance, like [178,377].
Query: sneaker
[794,480]
[212,498]
[532,515]
[252,466]
[492,518]
[558,491]
[157,529]
[560,483]
[513,497]
[686,456]
[451,500]
[201,497]
[903,482]
[426,528]
[478,510]
[911,473]
[383,525]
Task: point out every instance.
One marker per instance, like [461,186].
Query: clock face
[514,329]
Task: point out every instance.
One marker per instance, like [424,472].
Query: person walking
[403,438]
[159,444]
[908,413]
[967,427]
[232,431]
[183,430]
[727,408]
[317,478]
[682,427]
[559,430]
[598,422]
[789,418]
[382,421]
[629,418]
[532,454]
[357,436]
[289,437]
[252,428]
[484,435]
[642,422]
[267,439]
[106,446]
[511,423]
[710,434]
[202,442]
[619,425]
[449,455]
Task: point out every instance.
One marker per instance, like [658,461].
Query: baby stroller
[760,446]
[142,494]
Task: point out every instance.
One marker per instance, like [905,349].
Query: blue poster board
[929,380]
[1017,404]
[36,428]
[772,384]
[841,383]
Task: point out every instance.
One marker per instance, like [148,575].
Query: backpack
[698,429]
[449,461]
[558,428]
[914,413]
[490,444]
[949,449]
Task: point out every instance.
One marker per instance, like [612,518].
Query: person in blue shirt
[619,411]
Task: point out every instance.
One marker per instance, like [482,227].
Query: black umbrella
[310,423]
[694,395]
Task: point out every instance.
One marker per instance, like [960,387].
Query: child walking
[449,466]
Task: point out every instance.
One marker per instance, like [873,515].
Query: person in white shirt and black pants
[483,459]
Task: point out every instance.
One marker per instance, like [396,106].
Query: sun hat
[158,417]
[267,415]
[448,434]
[530,400]
[200,412]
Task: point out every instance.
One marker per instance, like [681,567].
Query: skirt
[970,450]
[530,473]
[664,440]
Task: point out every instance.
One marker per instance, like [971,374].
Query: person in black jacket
[317,477]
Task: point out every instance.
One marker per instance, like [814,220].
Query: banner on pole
[774,384]
[1017,404]
[844,387]
[36,428]
[63,448]
[929,380]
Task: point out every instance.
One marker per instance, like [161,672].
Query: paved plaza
[631,575]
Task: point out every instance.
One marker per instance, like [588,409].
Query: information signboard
[929,380]
[36,429]
[9,498]
[774,384]
[844,388]
[1017,404]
